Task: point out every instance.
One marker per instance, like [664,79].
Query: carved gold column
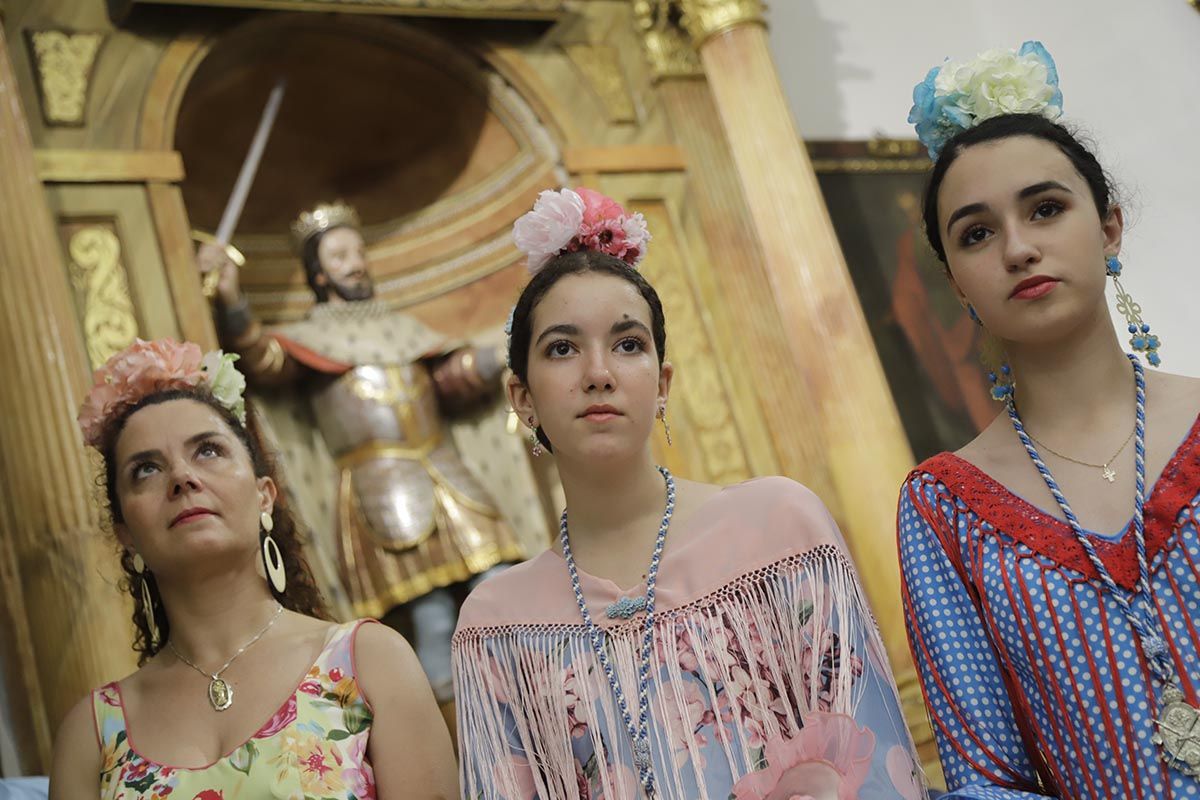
[78,625]
[854,422]
[763,356]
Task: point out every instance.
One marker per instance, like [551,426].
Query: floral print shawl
[768,677]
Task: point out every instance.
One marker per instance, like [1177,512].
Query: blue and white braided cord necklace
[1153,646]
[639,731]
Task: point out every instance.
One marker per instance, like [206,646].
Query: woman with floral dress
[245,688]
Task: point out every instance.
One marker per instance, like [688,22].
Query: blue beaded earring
[1001,380]
[1140,339]
[1002,384]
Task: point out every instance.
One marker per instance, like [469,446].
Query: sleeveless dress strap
[108,713]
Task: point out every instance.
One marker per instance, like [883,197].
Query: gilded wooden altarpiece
[440,120]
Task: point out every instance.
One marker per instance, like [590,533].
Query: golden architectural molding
[600,66]
[624,159]
[668,48]
[879,155]
[102,289]
[704,19]
[63,62]
[485,9]
[78,622]
[108,166]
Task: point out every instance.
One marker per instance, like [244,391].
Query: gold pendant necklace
[220,693]
[1178,731]
[1107,472]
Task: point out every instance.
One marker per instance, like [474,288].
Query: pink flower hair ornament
[146,368]
[579,219]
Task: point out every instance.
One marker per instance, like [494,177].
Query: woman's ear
[521,400]
[665,376]
[1114,229]
[267,493]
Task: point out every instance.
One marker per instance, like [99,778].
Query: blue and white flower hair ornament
[957,95]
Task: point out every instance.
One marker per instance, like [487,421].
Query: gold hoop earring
[271,555]
[662,414]
[143,574]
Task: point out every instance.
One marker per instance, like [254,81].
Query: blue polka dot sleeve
[977,734]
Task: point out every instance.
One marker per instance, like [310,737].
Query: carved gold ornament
[63,62]
[667,46]
[704,19]
[109,324]
[496,9]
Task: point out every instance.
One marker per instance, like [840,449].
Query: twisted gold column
[856,426]
[76,623]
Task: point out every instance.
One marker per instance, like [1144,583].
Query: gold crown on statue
[321,219]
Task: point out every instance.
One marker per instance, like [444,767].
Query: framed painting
[928,345]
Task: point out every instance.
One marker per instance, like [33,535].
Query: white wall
[1130,75]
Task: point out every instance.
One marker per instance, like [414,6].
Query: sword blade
[245,179]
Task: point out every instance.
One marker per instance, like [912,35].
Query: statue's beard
[357,288]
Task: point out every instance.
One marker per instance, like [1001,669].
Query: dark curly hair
[576,263]
[301,595]
[1004,127]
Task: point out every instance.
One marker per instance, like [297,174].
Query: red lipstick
[1033,288]
[189,514]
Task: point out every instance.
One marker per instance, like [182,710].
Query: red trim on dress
[1013,516]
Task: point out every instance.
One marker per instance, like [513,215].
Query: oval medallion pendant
[1178,732]
[220,694]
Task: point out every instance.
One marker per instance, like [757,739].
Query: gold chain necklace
[1108,473]
[220,693]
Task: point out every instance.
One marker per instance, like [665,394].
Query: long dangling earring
[662,414]
[1002,384]
[272,557]
[1141,340]
[1000,374]
[147,599]
[535,444]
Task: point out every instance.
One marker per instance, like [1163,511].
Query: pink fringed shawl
[762,633]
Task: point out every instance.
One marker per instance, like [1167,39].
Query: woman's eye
[631,345]
[143,470]
[559,349]
[973,235]
[209,449]
[1049,208]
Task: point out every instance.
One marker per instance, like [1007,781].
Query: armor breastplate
[385,404]
[383,427]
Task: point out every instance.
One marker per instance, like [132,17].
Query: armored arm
[264,361]
[467,376]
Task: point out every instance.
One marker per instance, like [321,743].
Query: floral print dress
[768,677]
[314,747]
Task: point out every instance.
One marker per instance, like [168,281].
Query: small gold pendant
[1178,732]
[1110,474]
[220,694]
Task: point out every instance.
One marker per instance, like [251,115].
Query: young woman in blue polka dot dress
[1058,639]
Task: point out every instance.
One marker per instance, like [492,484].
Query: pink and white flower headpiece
[579,219]
[146,368]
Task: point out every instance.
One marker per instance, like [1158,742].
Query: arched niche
[429,138]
